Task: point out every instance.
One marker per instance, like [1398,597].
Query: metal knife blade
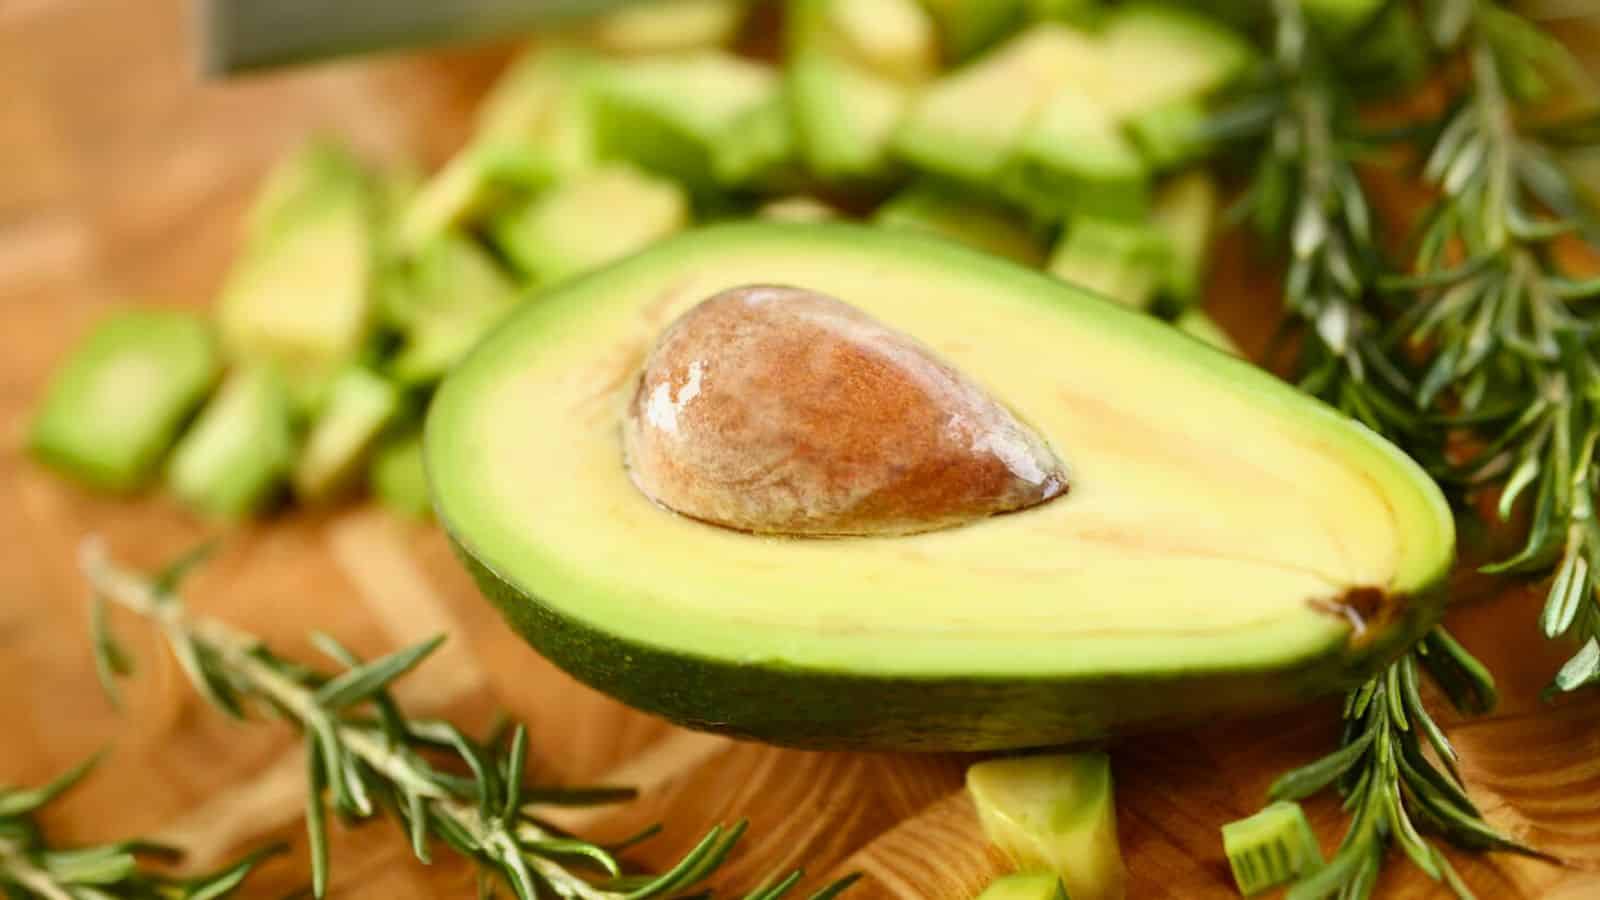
[240,35]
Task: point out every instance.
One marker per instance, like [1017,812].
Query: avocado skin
[822,710]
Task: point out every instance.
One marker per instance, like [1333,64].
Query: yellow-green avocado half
[1227,545]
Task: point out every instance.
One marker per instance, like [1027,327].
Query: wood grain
[124,180]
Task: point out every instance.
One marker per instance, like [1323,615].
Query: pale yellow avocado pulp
[1215,519]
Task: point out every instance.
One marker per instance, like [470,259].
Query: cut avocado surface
[668,114]
[967,124]
[300,296]
[844,116]
[1122,260]
[1057,813]
[1227,544]
[117,403]
[590,219]
[1025,886]
[236,457]
[449,297]
[360,404]
[664,26]
[978,223]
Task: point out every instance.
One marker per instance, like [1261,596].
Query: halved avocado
[1227,544]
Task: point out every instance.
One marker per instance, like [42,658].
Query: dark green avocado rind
[815,705]
[837,711]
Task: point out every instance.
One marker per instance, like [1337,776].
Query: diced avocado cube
[1341,16]
[799,208]
[299,183]
[1054,813]
[844,116]
[1125,261]
[1157,53]
[1185,213]
[360,404]
[1025,886]
[1171,134]
[116,404]
[533,128]
[1073,159]
[1078,12]
[1195,323]
[964,218]
[1271,847]
[968,27]
[237,455]
[590,220]
[486,175]
[663,26]
[760,150]
[301,296]
[668,114]
[540,101]
[893,39]
[452,294]
[967,124]
[398,477]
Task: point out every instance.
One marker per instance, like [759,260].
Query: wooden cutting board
[122,180]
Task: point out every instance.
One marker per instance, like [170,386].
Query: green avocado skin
[825,710]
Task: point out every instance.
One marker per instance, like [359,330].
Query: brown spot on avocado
[778,410]
[1368,609]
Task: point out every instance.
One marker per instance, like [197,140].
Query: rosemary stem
[17,867]
[234,647]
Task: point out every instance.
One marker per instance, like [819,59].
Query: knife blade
[238,36]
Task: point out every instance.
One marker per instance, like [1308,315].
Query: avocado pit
[778,410]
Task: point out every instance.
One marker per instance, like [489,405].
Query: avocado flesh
[1219,528]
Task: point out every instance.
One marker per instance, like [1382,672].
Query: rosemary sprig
[30,867]
[1305,196]
[365,754]
[1306,187]
[1388,781]
[1511,343]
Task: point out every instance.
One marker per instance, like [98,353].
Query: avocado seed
[778,410]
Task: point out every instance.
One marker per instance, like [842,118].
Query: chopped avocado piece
[1074,11]
[1271,847]
[485,175]
[1125,261]
[1170,134]
[1025,886]
[664,26]
[301,294]
[1342,16]
[965,219]
[1056,813]
[968,27]
[116,404]
[1219,529]
[360,404]
[1185,213]
[844,116]
[798,209]
[1196,324]
[590,220]
[893,39]
[760,150]
[532,129]
[1073,159]
[669,114]
[967,124]
[237,455]
[1156,53]
[452,295]
[398,478]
